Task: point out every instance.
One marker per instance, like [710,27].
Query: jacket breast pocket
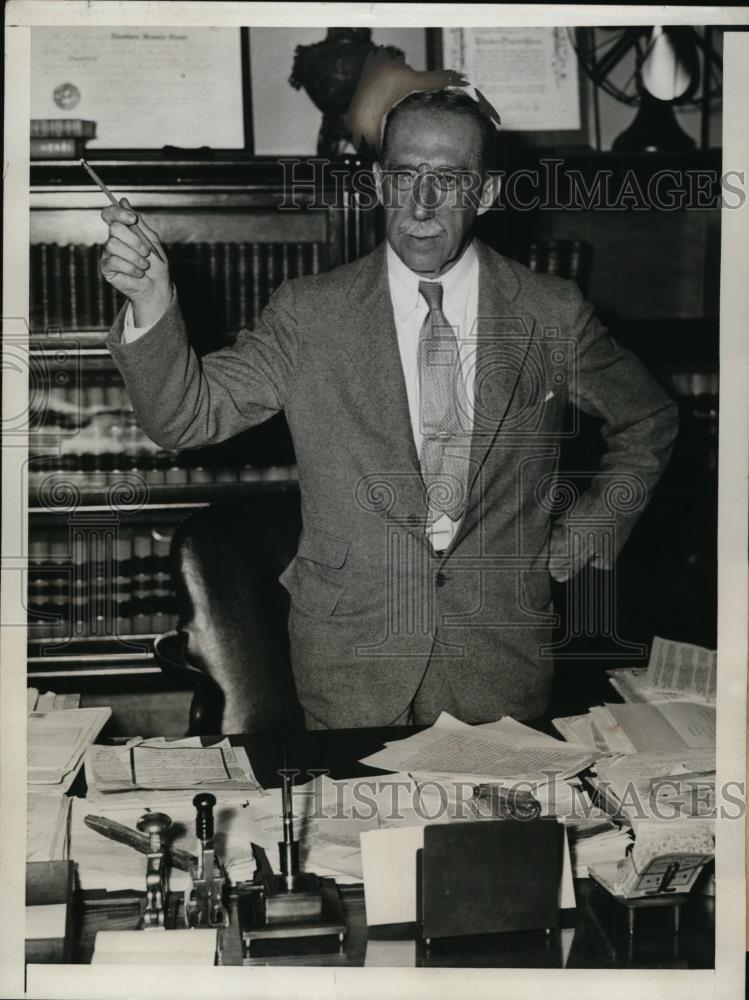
[314,577]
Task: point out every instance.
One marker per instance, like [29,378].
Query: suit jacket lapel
[503,336]
[372,348]
[371,345]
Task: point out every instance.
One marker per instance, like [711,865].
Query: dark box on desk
[488,876]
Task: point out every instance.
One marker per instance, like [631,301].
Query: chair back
[232,638]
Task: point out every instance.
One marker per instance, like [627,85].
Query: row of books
[62,128]
[136,617]
[67,405]
[102,581]
[569,258]
[60,138]
[95,472]
[68,291]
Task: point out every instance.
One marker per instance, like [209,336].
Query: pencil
[135,227]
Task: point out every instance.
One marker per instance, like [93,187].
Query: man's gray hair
[456,102]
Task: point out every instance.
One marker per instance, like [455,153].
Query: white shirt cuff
[131,332]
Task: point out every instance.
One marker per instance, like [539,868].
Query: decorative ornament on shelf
[329,71]
[671,66]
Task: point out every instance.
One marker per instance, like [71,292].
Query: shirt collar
[404,283]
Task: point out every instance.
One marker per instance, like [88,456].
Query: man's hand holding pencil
[134,261]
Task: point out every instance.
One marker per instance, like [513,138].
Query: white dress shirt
[460,305]
[460,299]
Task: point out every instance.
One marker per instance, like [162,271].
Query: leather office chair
[231,643]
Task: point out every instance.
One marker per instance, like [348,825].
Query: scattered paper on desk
[57,740]
[163,765]
[682,667]
[196,946]
[579,729]
[480,752]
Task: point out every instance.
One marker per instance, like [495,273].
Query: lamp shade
[667,70]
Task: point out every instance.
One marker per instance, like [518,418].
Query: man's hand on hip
[132,268]
[570,551]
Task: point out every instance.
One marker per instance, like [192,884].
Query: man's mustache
[412,227]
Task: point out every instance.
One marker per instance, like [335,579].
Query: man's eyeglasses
[443,180]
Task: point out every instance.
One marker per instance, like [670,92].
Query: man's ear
[489,193]
[378,175]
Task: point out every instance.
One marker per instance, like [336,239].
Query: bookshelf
[103,501]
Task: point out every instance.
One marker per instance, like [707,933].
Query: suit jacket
[370,601]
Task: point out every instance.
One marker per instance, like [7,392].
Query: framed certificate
[530,75]
[146,87]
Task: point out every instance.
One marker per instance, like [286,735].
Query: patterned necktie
[446,440]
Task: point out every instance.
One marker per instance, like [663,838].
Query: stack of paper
[56,743]
[644,727]
[595,840]
[636,784]
[47,827]
[155,767]
[677,671]
[503,751]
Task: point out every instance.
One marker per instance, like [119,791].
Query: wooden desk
[593,936]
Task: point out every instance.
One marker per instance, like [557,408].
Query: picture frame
[96,69]
[441,41]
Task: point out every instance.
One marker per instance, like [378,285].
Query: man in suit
[426,387]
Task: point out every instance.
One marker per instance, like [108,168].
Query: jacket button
[441,580]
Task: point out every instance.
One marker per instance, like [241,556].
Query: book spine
[270,271]
[38,588]
[99,292]
[256,300]
[553,257]
[72,291]
[242,284]
[35,305]
[228,276]
[44,286]
[122,583]
[163,608]
[56,285]
[85,287]
[142,585]
[284,261]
